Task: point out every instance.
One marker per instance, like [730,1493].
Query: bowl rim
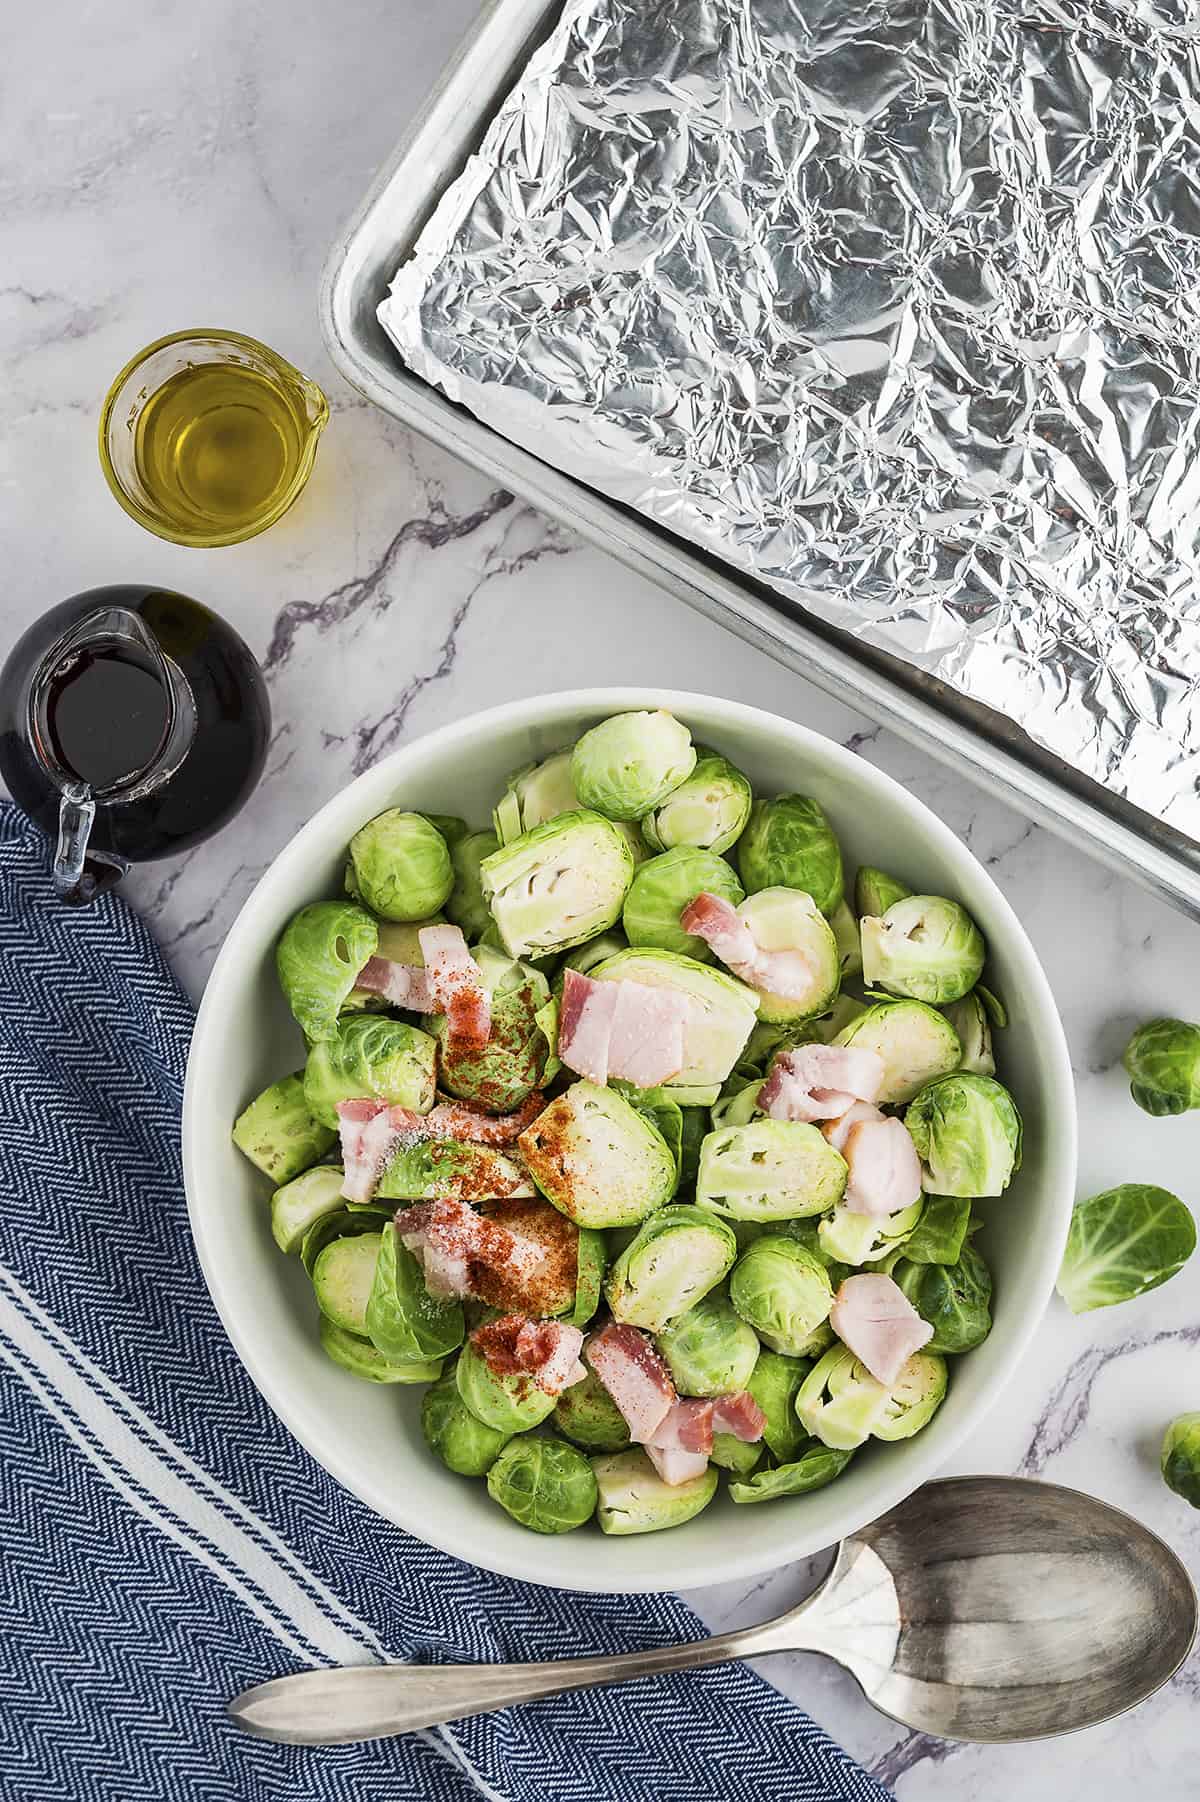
[743,1561]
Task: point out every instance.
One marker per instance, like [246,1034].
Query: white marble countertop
[178,165]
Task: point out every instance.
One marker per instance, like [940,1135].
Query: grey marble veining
[173,166]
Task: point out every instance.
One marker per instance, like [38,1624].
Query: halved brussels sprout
[786,919]
[402,1319]
[709,809]
[721,1017]
[502,1074]
[599,1160]
[587,1413]
[465,904]
[969,1018]
[281,1133]
[628,765]
[559,884]
[924,948]
[400,865]
[342,1277]
[1163,1062]
[840,1402]
[535,793]
[322,949]
[679,1254]
[1180,1460]
[663,887]
[545,1484]
[967,1132]
[591,1261]
[789,843]
[298,1204]
[634,1498]
[775,1383]
[849,944]
[509,1402]
[710,1350]
[916,1042]
[362,1359]
[661,1111]
[737,1455]
[1123,1243]
[941,1232]
[371,1058]
[875,891]
[783,1291]
[955,1299]
[439,1169]
[463,1443]
[815,1467]
[914,1397]
[346,1222]
[769,1170]
[852,1238]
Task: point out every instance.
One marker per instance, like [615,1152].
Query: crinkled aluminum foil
[895,304]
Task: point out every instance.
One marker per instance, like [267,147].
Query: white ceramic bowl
[369,1438]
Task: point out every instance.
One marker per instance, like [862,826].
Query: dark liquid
[107,715]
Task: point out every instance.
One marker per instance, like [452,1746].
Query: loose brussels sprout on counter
[955,1299]
[679,1254]
[967,1132]
[788,920]
[1122,1244]
[782,1291]
[708,809]
[1163,1061]
[969,1019]
[465,905]
[587,1414]
[545,1484]
[502,1074]
[400,866]
[710,1350]
[342,1277]
[302,1202]
[370,1058]
[769,1170]
[364,1360]
[535,793]
[816,1466]
[1181,1458]
[663,887]
[559,884]
[322,949]
[463,1443]
[402,1318]
[789,843]
[924,948]
[634,1499]
[875,891]
[599,1160]
[916,1042]
[721,1019]
[281,1133]
[627,765]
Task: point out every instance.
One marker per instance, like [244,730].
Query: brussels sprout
[298,1204]
[599,1160]
[720,1021]
[955,1299]
[769,1170]
[710,1350]
[559,884]
[628,765]
[1123,1243]
[662,1112]
[709,809]
[875,891]
[373,1058]
[587,1413]
[464,1445]
[634,1498]
[346,1222]
[591,1261]
[465,904]
[1181,1458]
[436,1169]
[849,945]
[278,1131]
[401,866]
[693,1129]
[585,957]
[789,843]
[807,1232]
[845,1010]
[399,943]
[502,1074]
[840,1402]
[852,1238]
[775,1383]
[941,1232]
[535,793]
[925,948]
[969,1018]
[639,850]
[782,1291]
[1163,1061]
[342,1277]
[967,1132]
[545,1484]
[914,1397]
[815,1467]
[361,1359]
[769,1037]
[679,1254]
[322,949]
[509,1402]
[402,1319]
[738,1455]
[786,919]
[916,1042]
[664,887]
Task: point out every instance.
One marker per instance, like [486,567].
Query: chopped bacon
[885,1171]
[838,1131]
[544,1351]
[585,1025]
[627,1030]
[454,1245]
[371,1132]
[675,1466]
[819,1082]
[788,974]
[740,1415]
[404,985]
[873,1317]
[456,984]
[686,1427]
[368,1140]
[634,1375]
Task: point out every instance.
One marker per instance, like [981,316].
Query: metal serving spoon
[982,1608]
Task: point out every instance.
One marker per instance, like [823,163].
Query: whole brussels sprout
[464,1445]
[299,1204]
[402,1319]
[775,1383]
[509,1402]
[840,1402]
[914,1398]
[535,793]
[342,1277]
[280,1133]
[925,948]
[401,866]
[721,1019]
[709,809]
[587,1413]
[916,1042]
[465,905]
[545,1484]
[875,891]
[364,1360]
[663,887]
[502,1074]
[1181,1458]
[786,919]
[599,1160]
[967,1132]
[710,1350]
[679,1254]
[322,949]
[371,1058]
[1122,1244]
[782,1290]
[1163,1061]
[816,1466]
[628,765]
[969,1018]
[789,843]
[769,1170]
[634,1498]
[559,884]
[955,1299]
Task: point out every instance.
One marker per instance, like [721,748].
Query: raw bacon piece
[686,1427]
[885,1171]
[371,1131]
[787,974]
[585,1025]
[455,1246]
[819,1082]
[545,1351]
[470,1126]
[626,1030]
[368,1138]
[404,985]
[740,1415]
[838,1131]
[456,984]
[634,1375]
[675,1466]
[875,1319]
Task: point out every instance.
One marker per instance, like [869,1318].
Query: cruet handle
[78,878]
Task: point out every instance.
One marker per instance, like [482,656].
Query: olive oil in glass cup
[207,437]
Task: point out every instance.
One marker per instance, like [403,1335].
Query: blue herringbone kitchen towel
[165,1543]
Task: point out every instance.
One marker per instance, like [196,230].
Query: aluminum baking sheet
[894,307]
